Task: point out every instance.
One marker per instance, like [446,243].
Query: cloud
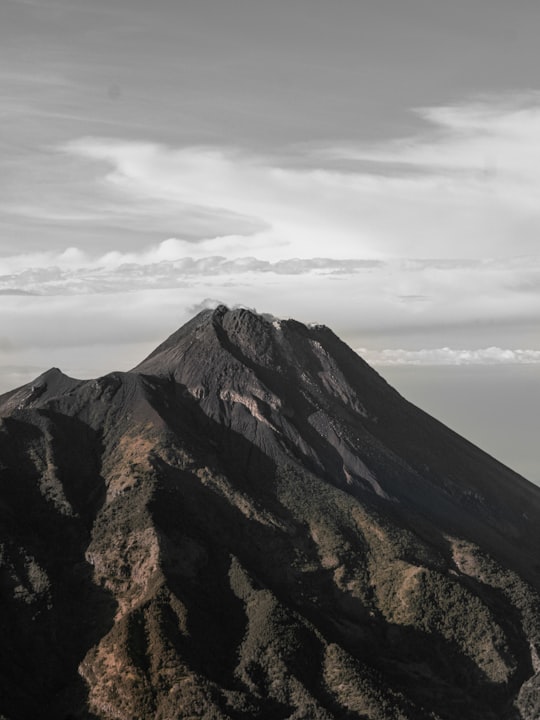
[15,291]
[449,356]
[463,187]
[206,304]
[447,300]
[478,141]
[158,267]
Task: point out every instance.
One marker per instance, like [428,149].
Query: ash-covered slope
[252,523]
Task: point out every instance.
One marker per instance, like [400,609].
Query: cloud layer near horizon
[436,295]
[450,356]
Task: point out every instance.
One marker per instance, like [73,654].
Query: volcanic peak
[252,523]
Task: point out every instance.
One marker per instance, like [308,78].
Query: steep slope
[252,523]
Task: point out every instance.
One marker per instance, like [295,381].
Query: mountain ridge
[264,528]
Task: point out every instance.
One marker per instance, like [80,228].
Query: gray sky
[372,165]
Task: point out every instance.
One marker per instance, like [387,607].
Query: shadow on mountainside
[52,611]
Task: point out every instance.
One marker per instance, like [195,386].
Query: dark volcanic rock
[252,523]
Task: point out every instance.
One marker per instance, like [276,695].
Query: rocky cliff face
[252,523]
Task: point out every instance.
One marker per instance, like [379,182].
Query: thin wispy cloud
[451,356]
[16,291]
[161,267]
[17,78]
[492,136]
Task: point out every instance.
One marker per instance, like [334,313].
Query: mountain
[252,523]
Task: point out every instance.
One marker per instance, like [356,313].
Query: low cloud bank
[450,356]
[109,275]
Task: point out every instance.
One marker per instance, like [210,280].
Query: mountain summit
[252,523]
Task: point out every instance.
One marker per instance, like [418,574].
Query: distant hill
[253,524]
